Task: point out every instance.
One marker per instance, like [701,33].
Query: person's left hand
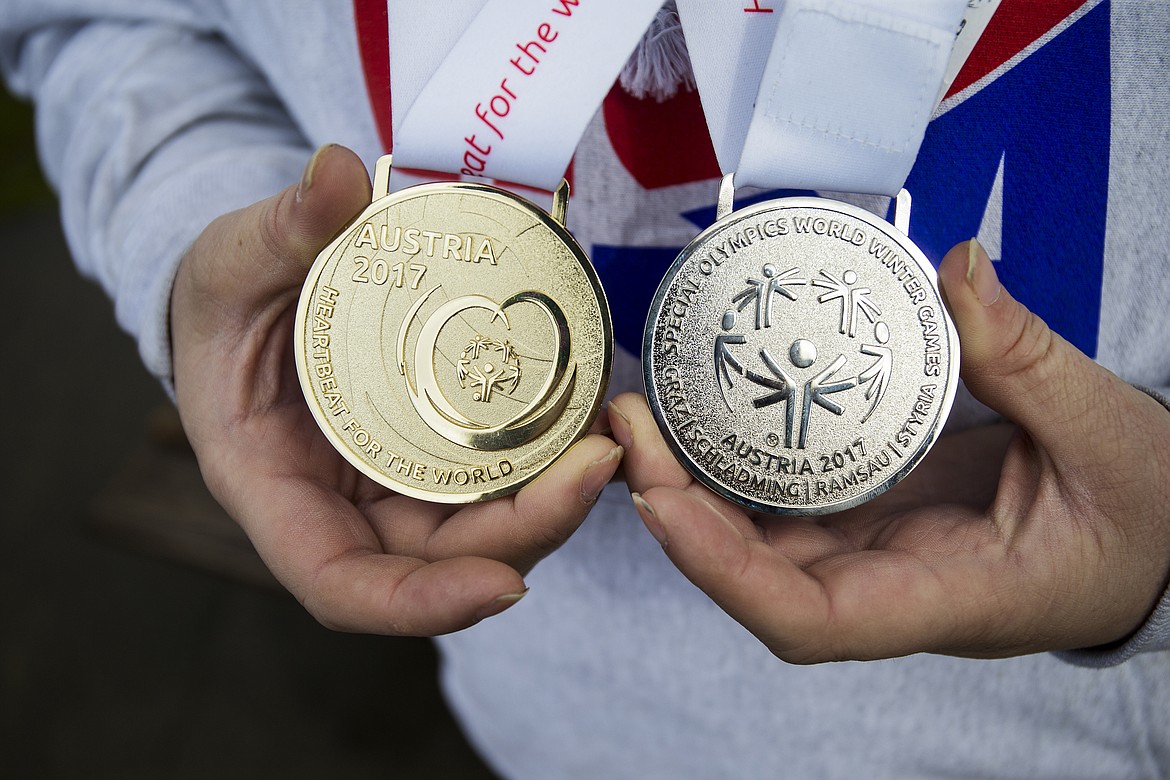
[1058,539]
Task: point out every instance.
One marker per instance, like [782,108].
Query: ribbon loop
[513,96]
[840,101]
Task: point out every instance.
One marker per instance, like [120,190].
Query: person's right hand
[1048,534]
[358,556]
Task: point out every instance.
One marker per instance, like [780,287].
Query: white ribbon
[820,94]
[504,89]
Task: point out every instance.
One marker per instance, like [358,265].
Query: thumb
[275,240]
[333,189]
[1014,363]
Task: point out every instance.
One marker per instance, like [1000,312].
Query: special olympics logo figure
[853,299]
[878,374]
[763,290]
[802,353]
[488,364]
[724,359]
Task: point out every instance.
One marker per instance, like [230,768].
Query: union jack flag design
[1017,155]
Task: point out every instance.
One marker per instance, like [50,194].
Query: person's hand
[1058,539]
[358,556]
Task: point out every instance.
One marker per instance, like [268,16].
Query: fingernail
[649,518]
[981,276]
[498,605]
[598,474]
[602,424]
[310,169]
[623,432]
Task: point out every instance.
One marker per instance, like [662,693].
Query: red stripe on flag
[1015,25]
[373,34]
[660,144]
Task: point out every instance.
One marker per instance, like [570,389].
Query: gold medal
[454,340]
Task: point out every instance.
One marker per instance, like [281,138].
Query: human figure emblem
[802,354]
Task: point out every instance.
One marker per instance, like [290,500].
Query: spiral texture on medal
[798,357]
[453,342]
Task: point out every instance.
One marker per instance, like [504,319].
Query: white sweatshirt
[155,116]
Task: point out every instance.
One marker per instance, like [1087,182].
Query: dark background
[139,635]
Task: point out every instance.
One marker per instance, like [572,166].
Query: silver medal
[798,357]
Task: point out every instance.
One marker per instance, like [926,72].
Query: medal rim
[802,201]
[304,304]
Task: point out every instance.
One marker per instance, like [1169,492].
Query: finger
[648,461]
[755,584]
[365,592]
[239,279]
[321,548]
[522,529]
[280,237]
[837,605]
[601,425]
[1013,362]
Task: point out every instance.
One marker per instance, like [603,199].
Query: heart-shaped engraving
[488,370]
